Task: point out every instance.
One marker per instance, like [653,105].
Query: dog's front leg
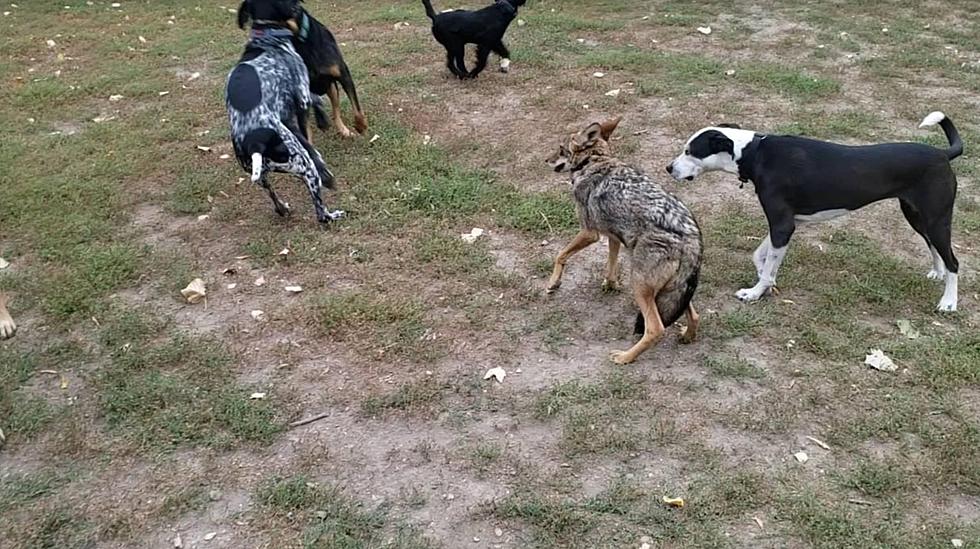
[582,240]
[612,265]
[774,258]
[7,326]
[759,256]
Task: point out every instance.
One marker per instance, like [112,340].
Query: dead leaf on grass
[907,330]
[258,315]
[293,289]
[801,457]
[704,30]
[195,291]
[818,442]
[879,361]
[260,281]
[4,263]
[497,373]
[472,235]
[257,396]
[674,502]
[203,148]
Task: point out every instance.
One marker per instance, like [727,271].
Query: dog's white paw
[505,65]
[946,306]
[336,214]
[7,328]
[933,274]
[750,294]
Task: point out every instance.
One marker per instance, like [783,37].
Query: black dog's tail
[955,143]
[428,9]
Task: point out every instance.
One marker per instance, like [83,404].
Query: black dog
[801,180]
[327,69]
[484,27]
[268,97]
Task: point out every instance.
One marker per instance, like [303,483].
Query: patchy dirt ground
[128,412]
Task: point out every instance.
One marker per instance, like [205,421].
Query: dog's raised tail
[955,143]
[256,167]
[428,9]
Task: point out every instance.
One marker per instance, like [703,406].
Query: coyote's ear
[609,126]
[588,136]
[243,15]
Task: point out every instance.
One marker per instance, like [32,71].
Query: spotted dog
[621,202]
[268,98]
[800,180]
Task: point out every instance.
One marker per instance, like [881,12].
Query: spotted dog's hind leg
[301,164]
[281,206]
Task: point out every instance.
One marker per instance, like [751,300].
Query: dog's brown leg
[334,94]
[612,265]
[582,240]
[7,326]
[646,299]
[693,320]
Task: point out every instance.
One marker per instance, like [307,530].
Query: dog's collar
[746,158]
[304,27]
[275,32]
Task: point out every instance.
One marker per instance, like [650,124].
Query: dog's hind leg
[646,298]
[282,207]
[939,232]
[582,240]
[612,265]
[302,164]
[690,333]
[7,326]
[938,271]
[458,53]
[319,112]
[482,54]
[333,92]
[500,49]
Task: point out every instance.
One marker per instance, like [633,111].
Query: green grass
[331,519]
[20,490]
[732,366]
[388,324]
[418,397]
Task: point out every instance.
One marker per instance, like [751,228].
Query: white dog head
[711,149]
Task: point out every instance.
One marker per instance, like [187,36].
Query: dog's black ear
[729,125]
[243,14]
[719,143]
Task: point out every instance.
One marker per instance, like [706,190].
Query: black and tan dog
[484,27]
[327,69]
[617,200]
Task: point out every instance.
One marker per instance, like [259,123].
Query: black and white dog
[801,180]
[484,27]
[268,97]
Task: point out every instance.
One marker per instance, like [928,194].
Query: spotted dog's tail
[955,143]
[256,167]
[428,9]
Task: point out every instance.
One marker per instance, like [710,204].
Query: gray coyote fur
[624,204]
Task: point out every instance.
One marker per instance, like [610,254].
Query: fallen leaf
[242,257]
[674,502]
[598,74]
[818,442]
[877,360]
[907,330]
[194,76]
[258,315]
[115,98]
[704,30]
[141,39]
[210,536]
[4,263]
[161,94]
[521,22]
[195,291]
[283,252]
[613,93]
[229,271]
[50,43]
[103,118]
[759,522]
[956,542]
[375,138]
[472,235]
[257,396]
[801,457]
[204,217]
[293,289]
[203,148]
[224,157]
[260,281]
[232,286]
[497,373]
